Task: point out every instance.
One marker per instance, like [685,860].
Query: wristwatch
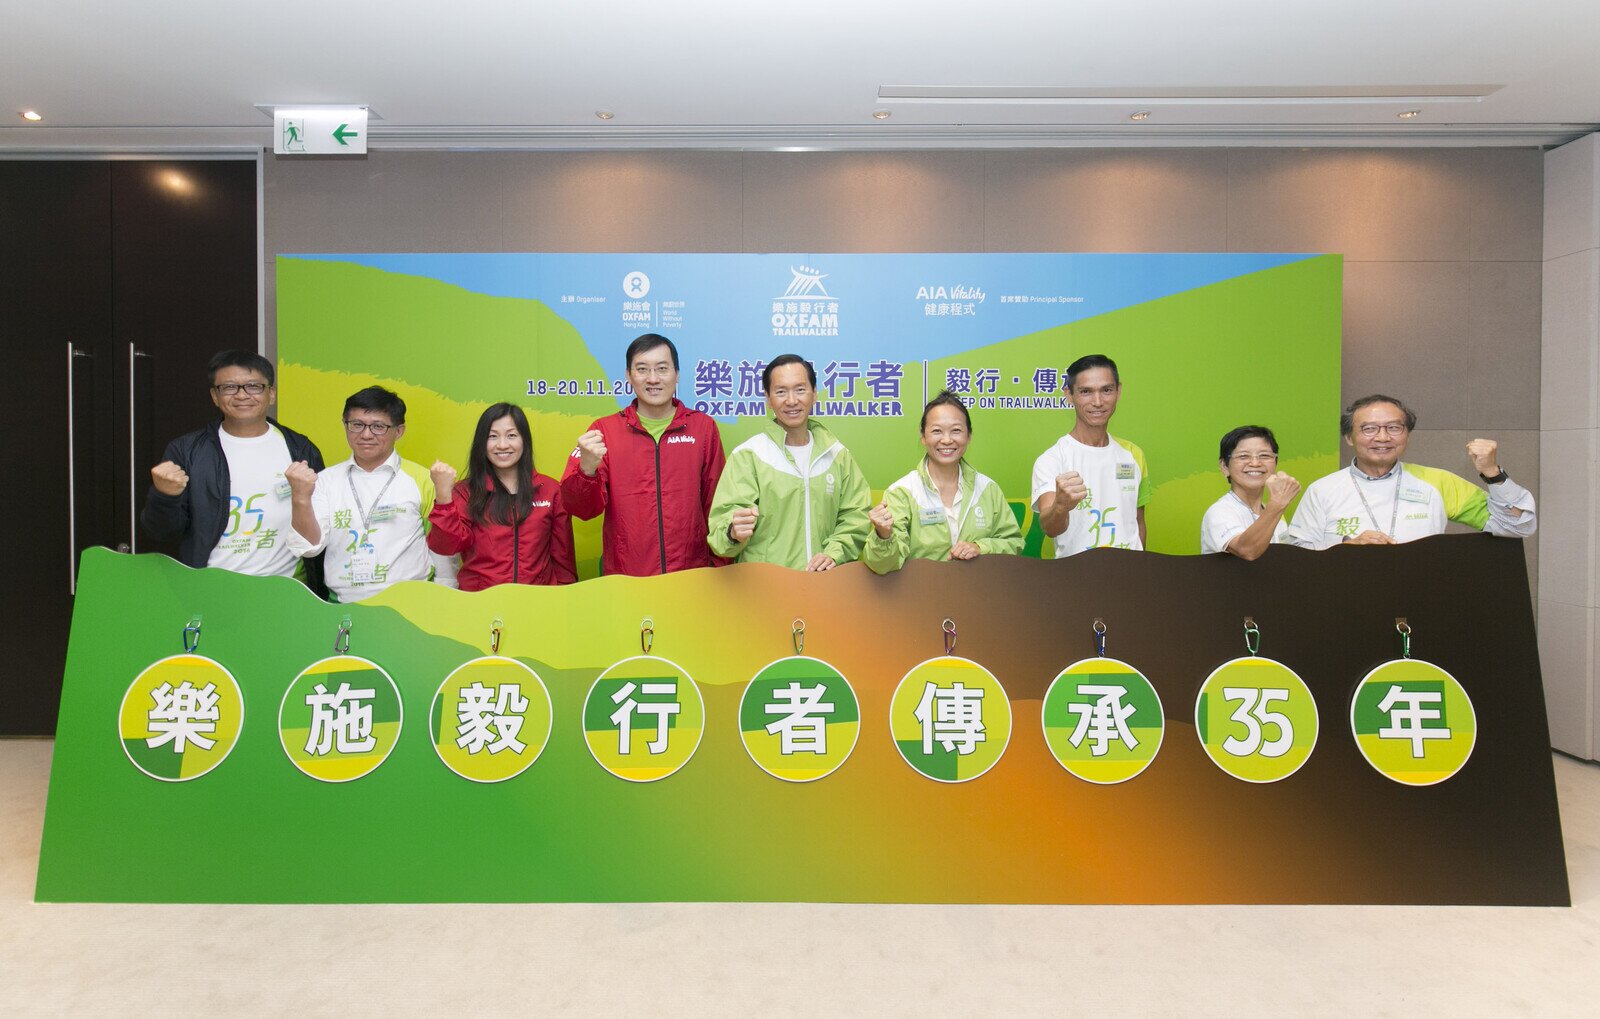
[1496,479]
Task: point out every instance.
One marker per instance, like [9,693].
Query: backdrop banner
[613,740]
[1205,342]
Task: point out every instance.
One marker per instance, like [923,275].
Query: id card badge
[383,513]
[280,487]
[362,567]
[931,515]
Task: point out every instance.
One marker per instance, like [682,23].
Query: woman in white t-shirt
[1250,516]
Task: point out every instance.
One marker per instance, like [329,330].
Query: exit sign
[320,131]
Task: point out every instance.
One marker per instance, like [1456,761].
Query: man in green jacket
[793,494]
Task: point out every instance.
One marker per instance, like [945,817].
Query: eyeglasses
[233,388]
[1392,428]
[1254,458]
[660,371]
[377,428]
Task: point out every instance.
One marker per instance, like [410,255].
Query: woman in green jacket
[793,494]
[944,509]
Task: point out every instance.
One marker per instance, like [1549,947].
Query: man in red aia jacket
[651,468]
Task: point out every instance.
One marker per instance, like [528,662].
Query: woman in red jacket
[506,520]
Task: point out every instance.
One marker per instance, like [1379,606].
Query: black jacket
[198,515]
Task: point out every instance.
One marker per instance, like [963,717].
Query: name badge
[1413,495]
[382,513]
[931,515]
[362,569]
[281,489]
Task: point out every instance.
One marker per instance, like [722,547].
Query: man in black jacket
[221,492]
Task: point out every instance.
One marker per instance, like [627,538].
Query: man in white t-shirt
[1090,488]
[220,492]
[371,512]
[1381,500]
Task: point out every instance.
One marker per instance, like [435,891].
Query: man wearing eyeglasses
[220,492]
[370,513]
[652,468]
[1379,500]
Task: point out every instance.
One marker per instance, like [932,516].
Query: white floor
[791,959]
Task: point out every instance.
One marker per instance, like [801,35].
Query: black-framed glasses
[378,428]
[234,388]
[1392,428]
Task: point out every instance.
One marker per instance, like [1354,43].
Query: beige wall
[1569,590]
[1443,250]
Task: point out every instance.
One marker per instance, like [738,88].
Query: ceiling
[189,74]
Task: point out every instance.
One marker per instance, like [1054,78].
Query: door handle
[73,353]
[134,353]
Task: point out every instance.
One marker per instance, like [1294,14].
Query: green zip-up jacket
[825,511]
[921,528]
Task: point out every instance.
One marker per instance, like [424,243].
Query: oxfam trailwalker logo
[180,718]
[799,719]
[1413,722]
[340,718]
[1102,720]
[643,718]
[490,719]
[1256,719]
[805,308]
[950,719]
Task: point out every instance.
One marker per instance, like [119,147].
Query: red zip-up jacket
[656,498]
[535,550]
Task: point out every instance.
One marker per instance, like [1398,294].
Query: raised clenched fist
[882,518]
[591,450]
[1070,489]
[302,480]
[444,481]
[1281,488]
[1485,454]
[743,524]
[169,478]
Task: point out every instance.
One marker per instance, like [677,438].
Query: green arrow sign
[342,132]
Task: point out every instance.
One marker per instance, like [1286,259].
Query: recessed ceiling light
[880,114]
[33,115]
[1140,115]
[1409,114]
[176,182]
[604,114]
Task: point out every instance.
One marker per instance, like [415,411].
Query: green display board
[876,819]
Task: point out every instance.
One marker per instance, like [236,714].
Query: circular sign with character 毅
[490,719]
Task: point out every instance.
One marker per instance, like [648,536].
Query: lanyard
[1253,514]
[1393,517]
[349,476]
